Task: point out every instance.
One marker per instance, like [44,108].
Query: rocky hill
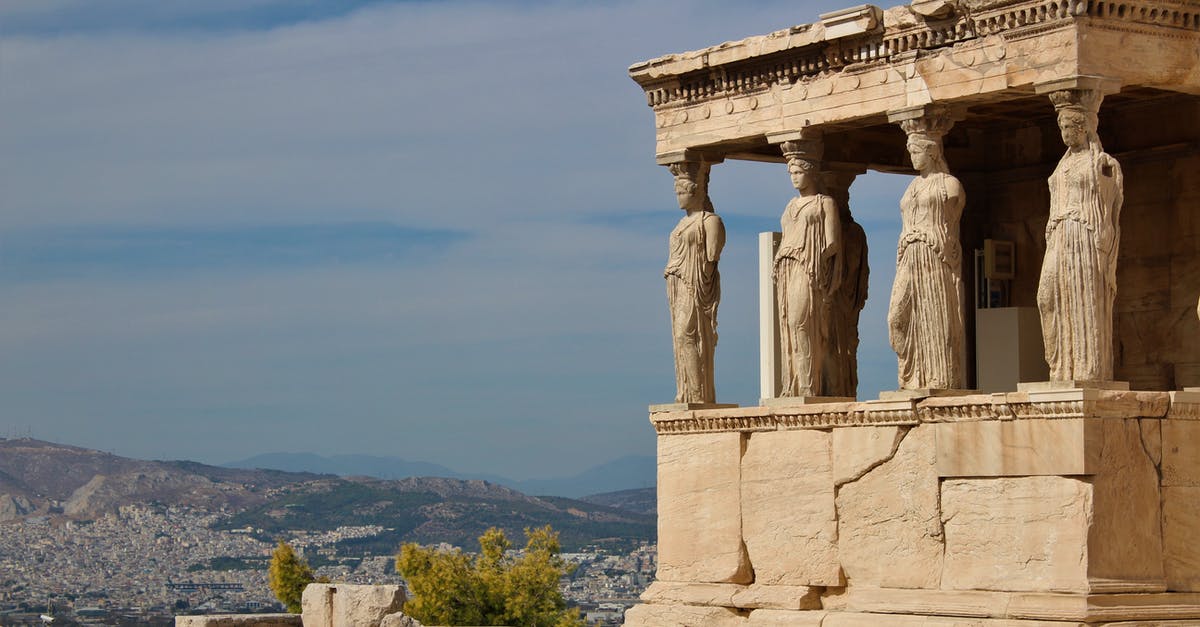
[46,479]
[640,501]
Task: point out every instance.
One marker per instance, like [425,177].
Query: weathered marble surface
[699,509]
[346,605]
[1057,504]
[1078,283]
[925,314]
[790,505]
[840,374]
[694,284]
[806,274]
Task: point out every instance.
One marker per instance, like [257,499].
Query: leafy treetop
[491,588]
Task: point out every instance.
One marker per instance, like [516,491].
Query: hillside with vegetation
[43,479]
[431,510]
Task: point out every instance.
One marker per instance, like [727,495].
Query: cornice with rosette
[845,40]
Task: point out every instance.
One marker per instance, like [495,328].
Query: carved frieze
[806,52]
[1065,405]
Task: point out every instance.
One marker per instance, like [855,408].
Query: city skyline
[429,230]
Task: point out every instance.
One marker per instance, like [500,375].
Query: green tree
[491,588]
[287,576]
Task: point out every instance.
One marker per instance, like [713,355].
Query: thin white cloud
[514,124]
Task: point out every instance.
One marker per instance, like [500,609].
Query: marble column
[805,271]
[841,356]
[1078,282]
[693,281]
[925,313]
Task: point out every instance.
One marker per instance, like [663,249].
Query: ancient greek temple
[1039,460]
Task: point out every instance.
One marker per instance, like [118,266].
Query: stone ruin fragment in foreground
[1040,462]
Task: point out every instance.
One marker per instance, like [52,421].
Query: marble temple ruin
[1039,463]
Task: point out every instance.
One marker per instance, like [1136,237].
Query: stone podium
[1027,508]
[1075,502]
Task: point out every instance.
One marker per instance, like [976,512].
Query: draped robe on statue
[1078,283]
[799,265]
[840,372]
[693,293]
[925,319]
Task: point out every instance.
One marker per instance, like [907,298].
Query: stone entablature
[849,70]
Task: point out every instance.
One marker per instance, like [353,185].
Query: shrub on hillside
[491,588]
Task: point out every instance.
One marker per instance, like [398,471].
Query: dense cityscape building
[143,564]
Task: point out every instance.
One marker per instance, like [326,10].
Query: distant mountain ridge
[626,473]
[46,479]
[59,478]
[349,465]
[641,500]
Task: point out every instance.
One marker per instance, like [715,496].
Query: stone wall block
[1181,453]
[683,616]
[1147,283]
[789,523]
[1185,182]
[316,605]
[1016,533]
[1187,374]
[857,450]
[1181,528]
[783,618]
[699,509]
[1184,280]
[1125,537]
[1151,429]
[1013,448]
[365,606]
[889,523]
[778,597]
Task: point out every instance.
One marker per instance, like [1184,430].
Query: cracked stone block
[1152,438]
[699,509]
[889,523]
[857,450]
[789,523]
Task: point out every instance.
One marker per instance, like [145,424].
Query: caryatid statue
[693,283]
[841,354]
[925,315]
[806,274]
[1078,283]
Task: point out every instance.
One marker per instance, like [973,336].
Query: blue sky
[426,229]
